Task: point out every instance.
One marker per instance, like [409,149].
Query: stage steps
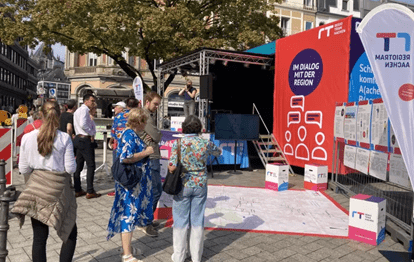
[269,151]
[268,148]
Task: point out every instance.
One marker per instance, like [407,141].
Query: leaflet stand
[235,161]
[104,165]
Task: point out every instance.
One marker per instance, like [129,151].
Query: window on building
[93,59]
[345,5]
[308,25]
[356,5]
[308,3]
[285,25]
[110,61]
[132,61]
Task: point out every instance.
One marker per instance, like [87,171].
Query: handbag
[128,175]
[173,183]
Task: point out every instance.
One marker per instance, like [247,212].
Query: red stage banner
[311,75]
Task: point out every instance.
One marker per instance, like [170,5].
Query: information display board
[379,126]
[350,156]
[378,162]
[398,171]
[350,122]
[339,121]
[364,124]
[362,160]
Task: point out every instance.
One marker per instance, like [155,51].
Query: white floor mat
[263,210]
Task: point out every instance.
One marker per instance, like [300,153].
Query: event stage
[303,212]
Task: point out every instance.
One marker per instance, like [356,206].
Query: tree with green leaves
[150,29]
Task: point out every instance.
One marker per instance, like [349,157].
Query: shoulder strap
[179,150]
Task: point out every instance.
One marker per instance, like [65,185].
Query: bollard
[5,198]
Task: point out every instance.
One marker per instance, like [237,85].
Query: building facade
[17,77]
[295,15]
[110,84]
[52,81]
[332,10]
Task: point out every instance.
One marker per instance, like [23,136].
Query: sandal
[130,258]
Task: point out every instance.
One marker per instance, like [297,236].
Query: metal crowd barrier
[399,208]
[6,196]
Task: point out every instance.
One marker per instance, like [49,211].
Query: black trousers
[40,235]
[85,152]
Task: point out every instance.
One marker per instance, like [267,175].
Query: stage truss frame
[198,63]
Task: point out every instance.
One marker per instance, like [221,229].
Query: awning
[113,92]
[266,49]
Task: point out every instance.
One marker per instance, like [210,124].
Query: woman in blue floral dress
[132,207]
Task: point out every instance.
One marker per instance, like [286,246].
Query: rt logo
[387,37]
[358,213]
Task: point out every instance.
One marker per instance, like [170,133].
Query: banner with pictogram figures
[315,69]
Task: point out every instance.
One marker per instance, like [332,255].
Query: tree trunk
[131,71]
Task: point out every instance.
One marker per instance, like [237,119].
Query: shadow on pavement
[396,256]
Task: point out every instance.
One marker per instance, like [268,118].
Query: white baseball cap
[121,104]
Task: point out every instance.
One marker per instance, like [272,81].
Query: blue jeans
[188,213]
[155,170]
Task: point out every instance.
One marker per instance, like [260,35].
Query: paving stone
[312,246]
[158,244]
[342,251]
[328,243]
[321,254]
[266,255]
[253,259]
[284,253]
[221,257]
[236,253]
[251,250]
[19,258]
[219,245]
[352,257]
[269,247]
[308,239]
[298,258]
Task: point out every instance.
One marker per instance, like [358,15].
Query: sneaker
[149,231]
[111,194]
[156,223]
[80,193]
[92,195]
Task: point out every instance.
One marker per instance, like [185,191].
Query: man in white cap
[118,107]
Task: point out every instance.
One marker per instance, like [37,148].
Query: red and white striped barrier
[19,126]
[6,138]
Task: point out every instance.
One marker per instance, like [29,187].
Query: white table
[104,165]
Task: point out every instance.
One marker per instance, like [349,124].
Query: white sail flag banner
[387,33]
[138,89]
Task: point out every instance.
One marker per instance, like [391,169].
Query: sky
[58,50]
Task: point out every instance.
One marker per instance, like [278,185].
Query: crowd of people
[57,144]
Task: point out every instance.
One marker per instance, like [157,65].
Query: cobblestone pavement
[228,246]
